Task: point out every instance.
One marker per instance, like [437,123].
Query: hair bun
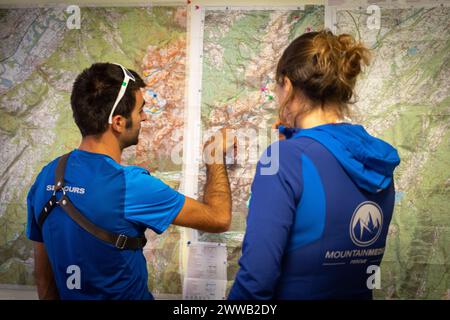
[323,67]
[339,60]
[354,56]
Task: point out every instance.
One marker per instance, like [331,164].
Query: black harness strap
[59,184]
[120,241]
[46,210]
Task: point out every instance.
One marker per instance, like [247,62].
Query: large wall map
[39,60]
[403,97]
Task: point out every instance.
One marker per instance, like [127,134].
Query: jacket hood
[369,161]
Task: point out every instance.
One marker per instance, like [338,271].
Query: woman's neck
[316,118]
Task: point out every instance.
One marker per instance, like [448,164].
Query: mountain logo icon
[366,224]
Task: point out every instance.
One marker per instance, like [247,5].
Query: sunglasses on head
[127,76]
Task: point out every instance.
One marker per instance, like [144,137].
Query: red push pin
[197,7]
[308,29]
[189,1]
[296,17]
[263,89]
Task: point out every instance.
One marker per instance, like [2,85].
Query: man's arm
[45,281]
[214,213]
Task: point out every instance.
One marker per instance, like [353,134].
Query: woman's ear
[287,84]
[288,90]
[284,90]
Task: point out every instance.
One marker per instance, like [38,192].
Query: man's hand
[223,143]
[214,213]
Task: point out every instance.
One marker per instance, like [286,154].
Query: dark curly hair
[93,94]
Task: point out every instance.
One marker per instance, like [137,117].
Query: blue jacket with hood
[319,213]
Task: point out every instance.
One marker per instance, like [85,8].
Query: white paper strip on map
[204,289]
[206,276]
[330,18]
[207,260]
[192,134]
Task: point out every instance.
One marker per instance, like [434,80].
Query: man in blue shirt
[72,263]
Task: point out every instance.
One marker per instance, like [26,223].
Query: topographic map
[240,50]
[404,98]
[39,60]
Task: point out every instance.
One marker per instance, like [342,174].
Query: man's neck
[103,145]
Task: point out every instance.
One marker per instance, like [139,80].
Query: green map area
[404,98]
[39,60]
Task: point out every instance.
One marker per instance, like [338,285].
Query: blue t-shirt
[120,199]
[319,221]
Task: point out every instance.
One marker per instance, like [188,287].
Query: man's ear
[118,124]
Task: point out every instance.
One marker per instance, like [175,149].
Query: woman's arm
[271,214]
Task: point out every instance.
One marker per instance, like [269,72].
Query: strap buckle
[57,187]
[121,241]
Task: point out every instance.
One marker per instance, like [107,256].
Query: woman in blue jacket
[316,229]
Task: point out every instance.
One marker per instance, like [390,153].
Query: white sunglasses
[127,76]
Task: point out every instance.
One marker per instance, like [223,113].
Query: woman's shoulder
[284,155]
[291,147]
